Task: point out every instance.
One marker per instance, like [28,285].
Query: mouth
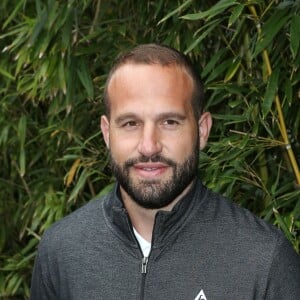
[150,170]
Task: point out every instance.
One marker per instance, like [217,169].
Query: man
[161,234]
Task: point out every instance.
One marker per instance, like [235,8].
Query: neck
[142,218]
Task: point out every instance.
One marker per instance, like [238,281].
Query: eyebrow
[160,116]
[125,117]
[172,115]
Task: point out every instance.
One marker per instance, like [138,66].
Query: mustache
[144,159]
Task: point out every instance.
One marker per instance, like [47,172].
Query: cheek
[180,147]
[122,148]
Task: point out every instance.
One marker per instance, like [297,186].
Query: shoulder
[229,215]
[243,237]
[237,229]
[249,246]
[82,224]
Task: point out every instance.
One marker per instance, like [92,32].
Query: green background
[55,56]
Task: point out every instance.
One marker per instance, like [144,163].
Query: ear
[204,124]
[104,124]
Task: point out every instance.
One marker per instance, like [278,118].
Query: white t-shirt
[144,244]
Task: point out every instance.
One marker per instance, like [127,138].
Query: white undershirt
[144,244]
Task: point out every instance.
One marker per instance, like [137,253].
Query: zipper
[144,272]
[144,265]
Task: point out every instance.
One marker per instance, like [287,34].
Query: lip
[150,170]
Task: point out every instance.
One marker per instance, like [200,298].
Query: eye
[170,123]
[130,125]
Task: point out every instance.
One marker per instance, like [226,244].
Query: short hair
[150,54]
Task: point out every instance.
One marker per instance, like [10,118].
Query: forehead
[148,91]
[149,80]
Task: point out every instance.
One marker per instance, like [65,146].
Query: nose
[149,144]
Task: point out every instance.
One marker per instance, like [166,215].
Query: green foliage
[54,61]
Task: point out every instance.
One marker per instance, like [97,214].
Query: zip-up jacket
[205,248]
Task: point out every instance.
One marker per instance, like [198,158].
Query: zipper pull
[144,265]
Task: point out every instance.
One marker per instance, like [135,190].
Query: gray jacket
[205,248]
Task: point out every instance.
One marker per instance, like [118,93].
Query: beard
[156,193]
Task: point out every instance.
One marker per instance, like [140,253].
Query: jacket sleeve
[40,286]
[284,275]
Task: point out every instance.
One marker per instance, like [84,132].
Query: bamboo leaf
[288,91]
[53,13]
[216,9]
[270,93]
[282,224]
[22,162]
[61,76]
[38,7]
[235,118]
[25,260]
[238,30]
[219,70]
[244,142]
[41,45]
[210,28]
[40,24]
[31,244]
[106,190]
[22,60]
[4,135]
[79,185]
[215,59]
[233,69]
[3,238]
[236,12]
[85,78]
[297,210]
[72,172]
[274,186]
[270,29]
[14,283]
[175,11]
[295,34]
[6,74]
[13,14]
[67,29]
[22,126]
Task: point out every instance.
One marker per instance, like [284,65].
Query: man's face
[152,133]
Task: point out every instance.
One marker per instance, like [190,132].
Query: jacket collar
[167,223]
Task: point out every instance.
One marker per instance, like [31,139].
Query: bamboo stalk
[281,123]
[95,17]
